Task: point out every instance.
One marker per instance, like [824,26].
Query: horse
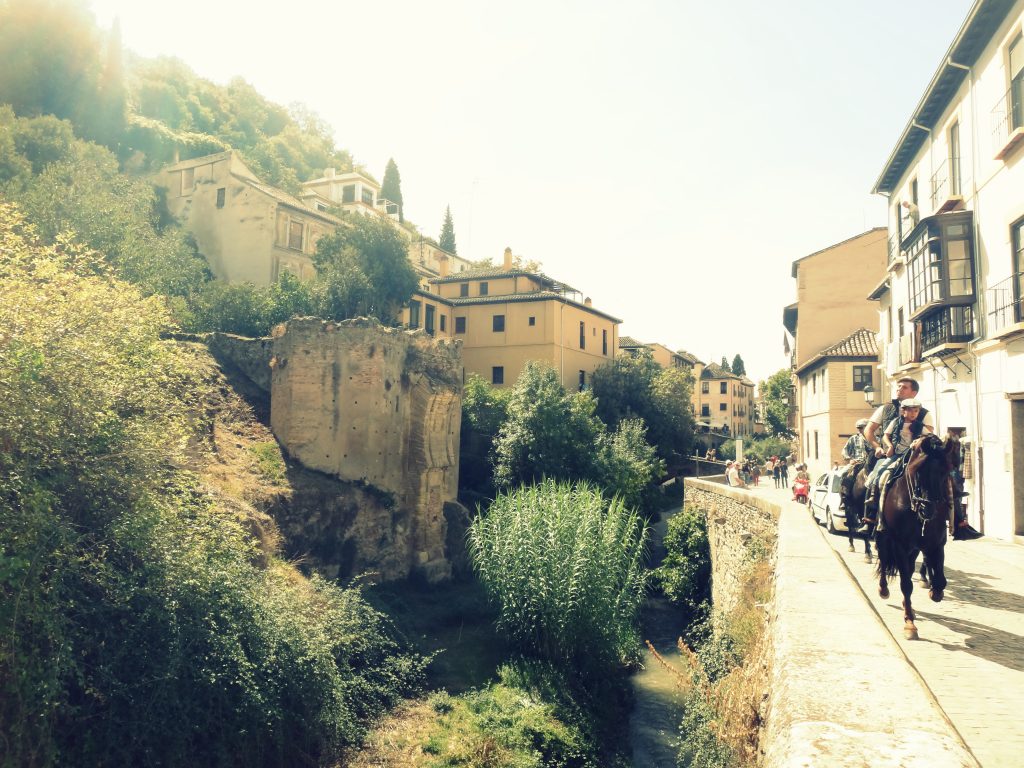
[856,488]
[916,514]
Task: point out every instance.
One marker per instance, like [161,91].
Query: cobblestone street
[971,647]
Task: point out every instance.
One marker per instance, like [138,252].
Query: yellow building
[830,312]
[506,316]
[723,400]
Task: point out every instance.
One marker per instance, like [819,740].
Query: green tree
[685,574]
[725,365]
[777,389]
[738,367]
[484,410]
[548,432]
[447,241]
[363,269]
[391,187]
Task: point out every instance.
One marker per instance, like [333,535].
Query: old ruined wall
[736,522]
[250,356]
[381,407]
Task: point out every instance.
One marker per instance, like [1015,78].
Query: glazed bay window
[940,263]
[947,325]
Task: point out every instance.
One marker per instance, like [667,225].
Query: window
[954,158]
[460,325]
[814,383]
[705,410]
[414,314]
[295,235]
[583,380]
[348,193]
[723,407]
[498,374]
[533,320]
[940,263]
[443,318]
[604,342]
[498,323]
[1017,240]
[483,289]
[888,323]
[861,377]
[428,323]
[1016,96]
[188,181]
[723,388]
[366,195]
[220,197]
[900,324]
[815,443]
[464,289]
[583,335]
[704,387]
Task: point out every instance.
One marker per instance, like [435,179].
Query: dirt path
[654,721]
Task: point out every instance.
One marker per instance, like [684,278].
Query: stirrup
[867,525]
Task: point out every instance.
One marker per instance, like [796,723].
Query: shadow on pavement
[995,645]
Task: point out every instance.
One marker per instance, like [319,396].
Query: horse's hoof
[935,595]
[851,548]
[910,633]
[924,582]
[883,592]
[868,558]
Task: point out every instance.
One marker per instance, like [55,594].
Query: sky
[670,159]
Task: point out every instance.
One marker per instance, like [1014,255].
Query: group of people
[893,429]
[742,474]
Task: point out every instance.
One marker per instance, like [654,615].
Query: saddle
[891,475]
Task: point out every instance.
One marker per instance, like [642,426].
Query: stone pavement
[970,654]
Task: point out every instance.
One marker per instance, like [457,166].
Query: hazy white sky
[670,159]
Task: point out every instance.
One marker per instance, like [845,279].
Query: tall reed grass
[565,567]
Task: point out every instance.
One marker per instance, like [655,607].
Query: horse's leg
[907,587]
[925,579]
[936,563]
[867,548]
[883,580]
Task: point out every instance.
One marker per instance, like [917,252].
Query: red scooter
[801,487]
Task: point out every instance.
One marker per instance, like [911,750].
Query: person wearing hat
[855,452]
[901,434]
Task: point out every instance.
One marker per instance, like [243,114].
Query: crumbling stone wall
[381,407]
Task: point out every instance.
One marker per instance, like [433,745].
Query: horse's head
[929,468]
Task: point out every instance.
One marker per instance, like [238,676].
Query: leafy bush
[685,574]
[627,465]
[565,567]
[135,625]
[484,409]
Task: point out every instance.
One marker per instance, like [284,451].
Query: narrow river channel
[657,712]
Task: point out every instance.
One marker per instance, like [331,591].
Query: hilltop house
[951,304]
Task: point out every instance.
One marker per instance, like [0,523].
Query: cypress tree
[448,232]
[725,364]
[738,367]
[391,187]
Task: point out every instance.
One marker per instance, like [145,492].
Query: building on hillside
[952,304]
[831,309]
[831,387]
[630,346]
[247,230]
[723,400]
[352,192]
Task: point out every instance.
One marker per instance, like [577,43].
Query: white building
[951,305]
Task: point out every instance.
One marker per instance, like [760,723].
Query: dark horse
[856,487]
[916,511]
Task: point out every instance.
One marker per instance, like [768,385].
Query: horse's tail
[888,561]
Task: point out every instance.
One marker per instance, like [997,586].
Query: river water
[657,711]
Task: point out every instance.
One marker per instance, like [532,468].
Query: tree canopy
[738,367]
[725,364]
[776,412]
[391,187]
[447,241]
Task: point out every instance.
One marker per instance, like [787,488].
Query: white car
[824,500]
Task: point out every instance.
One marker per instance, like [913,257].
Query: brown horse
[916,514]
[855,490]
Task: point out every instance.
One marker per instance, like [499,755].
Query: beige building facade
[951,307]
[723,400]
[248,231]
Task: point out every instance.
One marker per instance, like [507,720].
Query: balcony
[946,193]
[894,248]
[1006,313]
[945,329]
[1008,120]
[940,263]
[910,349]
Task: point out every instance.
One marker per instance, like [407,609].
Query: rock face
[381,408]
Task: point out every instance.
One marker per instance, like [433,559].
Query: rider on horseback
[855,452]
[901,434]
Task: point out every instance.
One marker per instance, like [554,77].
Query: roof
[285,199]
[628,342]
[835,245]
[715,371]
[692,359]
[497,272]
[859,344]
[879,290]
[510,298]
[977,31]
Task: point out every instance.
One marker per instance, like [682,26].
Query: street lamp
[869,395]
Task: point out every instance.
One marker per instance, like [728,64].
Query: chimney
[442,261]
[587,302]
[328,173]
[508,259]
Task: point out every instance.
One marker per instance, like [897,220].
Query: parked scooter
[801,487]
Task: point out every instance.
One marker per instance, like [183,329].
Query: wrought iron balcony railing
[1006,305]
[1008,119]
